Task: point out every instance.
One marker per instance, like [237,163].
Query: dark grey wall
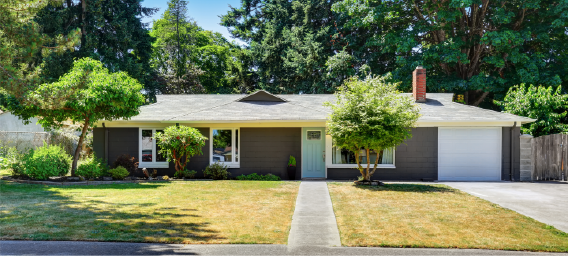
[415,159]
[99,142]
[267,150]
[506,153]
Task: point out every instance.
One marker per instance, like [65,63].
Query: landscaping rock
[160,178]
[6,177]
[107,178]
[73,179]
[128,178]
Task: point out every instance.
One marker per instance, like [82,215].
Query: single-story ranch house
[257,133]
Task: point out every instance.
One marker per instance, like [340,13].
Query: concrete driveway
[546,202]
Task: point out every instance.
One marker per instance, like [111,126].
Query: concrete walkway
[313,223]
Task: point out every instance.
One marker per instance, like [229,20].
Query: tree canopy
[22,40]
[371,114]
[477,47]
[190,59]
[289,43]
[110,31]
[546,104]
[87,94]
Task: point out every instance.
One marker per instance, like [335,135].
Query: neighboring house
[452,141]
[11,123]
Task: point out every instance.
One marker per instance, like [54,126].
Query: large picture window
[149,156]
[343,156]
[225,146]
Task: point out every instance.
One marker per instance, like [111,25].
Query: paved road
[313,222]
[546,202]
[103,248]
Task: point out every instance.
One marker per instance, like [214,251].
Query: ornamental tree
[87,94]
[179,143]
[548,106]
[371,115]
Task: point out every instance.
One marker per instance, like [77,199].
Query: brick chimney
[419,84]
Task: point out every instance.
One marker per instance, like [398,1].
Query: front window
[225,146]
[343,156]
[149,155]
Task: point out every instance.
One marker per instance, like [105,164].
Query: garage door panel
[469,154]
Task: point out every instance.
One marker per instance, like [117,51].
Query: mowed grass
[217,212]
[407,215]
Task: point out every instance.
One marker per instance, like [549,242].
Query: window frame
[152,164]
[329,157]
[237,139]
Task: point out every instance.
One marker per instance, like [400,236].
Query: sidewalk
[108,248]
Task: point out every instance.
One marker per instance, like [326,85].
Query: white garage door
[469,154]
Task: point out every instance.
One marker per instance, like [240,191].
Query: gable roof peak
[261,95]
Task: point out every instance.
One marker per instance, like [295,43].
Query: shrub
[12,159]
[216,171]
[129,163]
[189,174]
[165,177]
[91,167]
[118,173]
[254,176]
[46,161]
[185,174]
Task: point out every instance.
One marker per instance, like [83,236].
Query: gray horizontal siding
[415,159]
[267,150]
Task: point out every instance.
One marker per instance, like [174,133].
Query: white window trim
[233,138]
[152,164]
[329,160]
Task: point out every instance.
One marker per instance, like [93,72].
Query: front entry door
[313,152]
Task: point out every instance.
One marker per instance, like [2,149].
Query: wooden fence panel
[550,157]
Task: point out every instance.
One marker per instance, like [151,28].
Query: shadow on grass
[36,212]
[415,188]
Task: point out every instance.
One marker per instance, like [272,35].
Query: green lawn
[407,215]
[177,212]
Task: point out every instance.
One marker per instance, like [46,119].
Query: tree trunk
[79,146]
[83,22]
[367,173]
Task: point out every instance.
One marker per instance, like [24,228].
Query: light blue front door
[313,152]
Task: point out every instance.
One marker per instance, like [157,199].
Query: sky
[205,12]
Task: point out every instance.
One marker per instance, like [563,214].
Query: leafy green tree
[477,47]
[190,59]
[547,105]
[87,94]
[179,143]
[110,31]
[22,40]
[371,115]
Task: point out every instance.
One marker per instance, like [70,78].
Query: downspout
[512,154]
[106,143]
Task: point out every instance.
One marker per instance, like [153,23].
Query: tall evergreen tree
[111,31]
[291,43]
[190,59]
[21,40]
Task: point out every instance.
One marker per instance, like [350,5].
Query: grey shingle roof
[211,107]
